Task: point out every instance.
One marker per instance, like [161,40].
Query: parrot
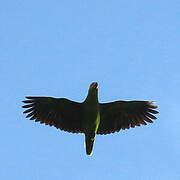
[89,117]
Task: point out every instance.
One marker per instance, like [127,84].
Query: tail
[89,141]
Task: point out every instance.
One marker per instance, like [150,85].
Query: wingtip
[151,103]
[28,101]
[29,97]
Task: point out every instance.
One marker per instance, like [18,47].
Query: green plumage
[89,117]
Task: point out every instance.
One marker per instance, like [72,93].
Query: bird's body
[89,117]
[90,120]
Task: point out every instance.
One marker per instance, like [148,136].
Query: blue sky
[57,48]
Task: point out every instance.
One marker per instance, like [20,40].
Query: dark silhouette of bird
[89,117]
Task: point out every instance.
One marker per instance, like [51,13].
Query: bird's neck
[92,98]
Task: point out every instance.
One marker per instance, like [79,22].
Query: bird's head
[92,93]
[93,88]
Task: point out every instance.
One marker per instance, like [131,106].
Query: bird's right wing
[59,112]
[118,115]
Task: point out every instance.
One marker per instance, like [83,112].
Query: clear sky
[57,48]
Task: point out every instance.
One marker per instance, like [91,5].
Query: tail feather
[89,141]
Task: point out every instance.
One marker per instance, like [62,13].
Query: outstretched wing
[125,114]
[59,112]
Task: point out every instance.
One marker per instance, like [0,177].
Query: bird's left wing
[59,112]
[118,115]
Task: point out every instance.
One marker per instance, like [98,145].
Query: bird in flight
[89,117]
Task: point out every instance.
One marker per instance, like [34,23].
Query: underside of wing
[62,113]
[125,114]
